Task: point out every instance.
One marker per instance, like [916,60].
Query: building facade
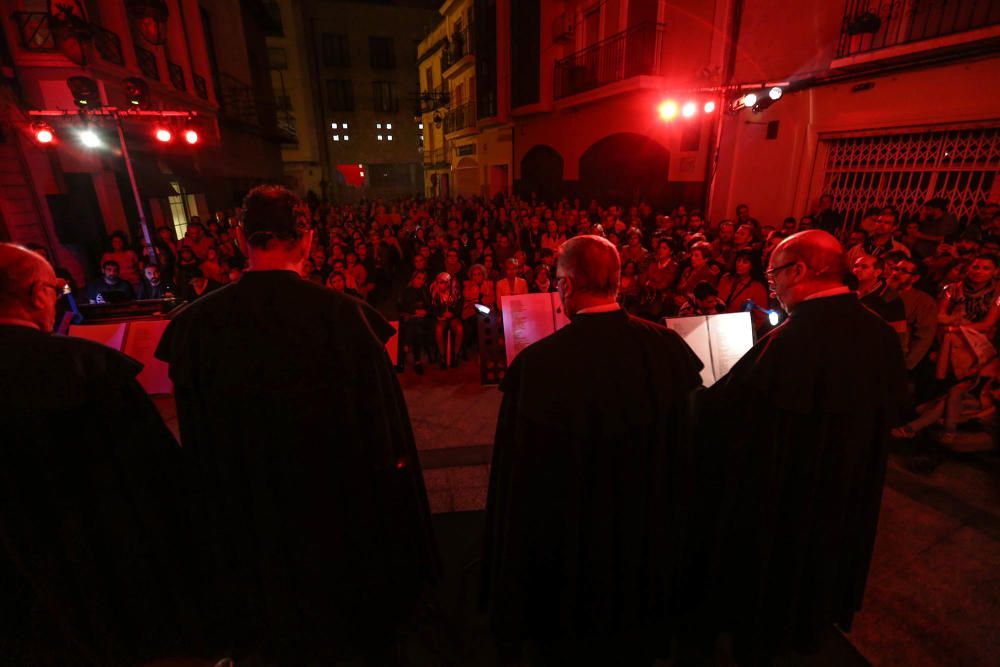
[69,197]
[889,103]
[365,68]
[587,95]
[297,104]
[433,106]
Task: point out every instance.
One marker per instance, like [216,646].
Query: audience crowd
[432,261]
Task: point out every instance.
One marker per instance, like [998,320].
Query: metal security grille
[904,170]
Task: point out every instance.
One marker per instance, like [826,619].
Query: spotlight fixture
[689,109]
[709,106]
[191,136]
[775,93]
[86,94]
[668,110]
[163,135]
[43,133]
[90,139]
[750,99]
[137,92]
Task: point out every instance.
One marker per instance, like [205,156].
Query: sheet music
[526,318]
[140,344]
[112,335]
[731,336]
[694,331]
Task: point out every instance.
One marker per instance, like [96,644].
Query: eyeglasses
[61,287]
[772,272]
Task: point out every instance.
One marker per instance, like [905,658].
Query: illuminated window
[380,137]
[345,126]
[333,125]
[336,137]
[420,125]
[389,137]
[346,138]
[388,126]
[378,126]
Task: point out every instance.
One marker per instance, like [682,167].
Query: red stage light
[163,134]
[44,134]
[191,137]
[689,109]
[749,100]
[668,110]
[709,107]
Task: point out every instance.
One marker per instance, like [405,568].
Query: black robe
[793,446]
[589,483]
[95,541]
[297,430]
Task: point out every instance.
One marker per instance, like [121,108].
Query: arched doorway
[625,168]
[542,173]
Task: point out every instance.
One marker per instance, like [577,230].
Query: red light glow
[191,137]
[689,109]
[709,107]
[44,136]
[163,134]
[668,110]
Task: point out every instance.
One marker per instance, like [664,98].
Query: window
[335,50]
[340,95]
[384,96]
[277,58]
[381,52]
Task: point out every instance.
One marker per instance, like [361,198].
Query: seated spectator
[109,287]
[875,293]
[973,399]
[882,239]
[699,270]
[659,279]
[186,262]
[745,283]
[342,282]
[724,248]
[703,300]
[968,312]
[628,290]
[542,283]
[153,286]
[446,310]
[165,247]
[478,289]
[414,306]
[510,284]
[920,310]
[196,239]
[211,267]
[198,285]
[359,273]
[127,260]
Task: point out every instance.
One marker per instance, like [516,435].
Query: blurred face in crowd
[708,304]
[825,203]
[116,243]
[885,225]
[743,266]
[727,231]
[419,263]
[211,255]
[980,272]
[110,272]
[165,235]
[419,280]
[695,222]
[743,235]
[857,237]
[337,282]
[194,231]
[789,226]
[742,212]
[510,270]
[477,275]
[903,275]
[663,251]
[152,275]
[452,257]
[698,258]
[865,269]
[806,222]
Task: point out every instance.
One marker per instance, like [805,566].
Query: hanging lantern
[150,18]
[70,30]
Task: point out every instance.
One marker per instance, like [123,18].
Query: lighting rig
[86,124]
[732,99]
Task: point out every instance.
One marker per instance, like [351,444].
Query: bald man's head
[818,250]
[23,295]
[592,263]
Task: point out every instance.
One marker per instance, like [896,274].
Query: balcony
[633,52]
[459,46]
[434,99]
[176,73]
[870,25]
[35,35]
[236,100]
[200,86]
[434,158]
[147,63]
[460,118]
[285,117]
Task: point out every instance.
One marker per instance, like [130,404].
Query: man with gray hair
[796,437]
[588,485]
[95,542]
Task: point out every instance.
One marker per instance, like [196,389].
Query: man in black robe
[588,485]
[94,536]
[793,442]
[297,430]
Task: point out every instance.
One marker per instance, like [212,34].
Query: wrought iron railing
[109,45]
[176,73]
[200,86]
[434,99]
[434,157]
[236,99]
[460,117]
[34,31]
[630,53]
[876,24]
[147,63]
[459,45]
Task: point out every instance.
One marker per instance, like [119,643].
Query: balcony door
[640,42]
